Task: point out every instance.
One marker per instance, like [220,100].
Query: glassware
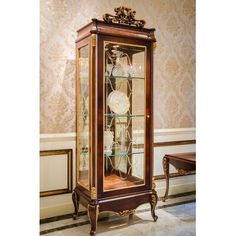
[123,139]
[108,142]
[118,69]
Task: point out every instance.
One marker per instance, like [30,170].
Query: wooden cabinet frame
[122,201]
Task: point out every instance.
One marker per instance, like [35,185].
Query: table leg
[75,199]
[165,163]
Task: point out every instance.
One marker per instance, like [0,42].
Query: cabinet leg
[165,163]
[154,199]
[75,199]
[93,212]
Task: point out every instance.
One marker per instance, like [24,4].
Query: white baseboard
[180,134]
[160,135]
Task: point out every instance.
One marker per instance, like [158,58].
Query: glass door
[83,114]
[124,116]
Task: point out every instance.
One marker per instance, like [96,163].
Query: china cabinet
[114,77]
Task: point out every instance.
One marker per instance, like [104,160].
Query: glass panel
[124,126]
[83,119]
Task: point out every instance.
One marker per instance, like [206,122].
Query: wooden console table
[183,162]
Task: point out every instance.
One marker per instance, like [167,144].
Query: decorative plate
[118,102]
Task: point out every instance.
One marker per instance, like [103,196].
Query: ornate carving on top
[124,15]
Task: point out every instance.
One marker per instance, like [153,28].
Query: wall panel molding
[57,137]
[59,153]
[175,143]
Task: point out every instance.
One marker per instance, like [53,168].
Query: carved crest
[123,15]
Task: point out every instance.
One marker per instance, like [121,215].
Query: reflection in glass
[124,125]
[83,119]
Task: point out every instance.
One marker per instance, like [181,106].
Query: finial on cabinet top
[123,15]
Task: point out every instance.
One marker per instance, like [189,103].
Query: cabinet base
[121,205]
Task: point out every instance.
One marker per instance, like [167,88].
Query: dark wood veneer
[101,27]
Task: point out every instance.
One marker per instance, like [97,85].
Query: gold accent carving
[153,184]
[164,163]
[183,172]
[93,40]
[172,175]
[93,193]
[126,212]
[124,15]
[154,199]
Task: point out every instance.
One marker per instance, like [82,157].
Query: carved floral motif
[124,15]
[126,212]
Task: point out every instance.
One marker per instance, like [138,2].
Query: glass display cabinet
[114,116]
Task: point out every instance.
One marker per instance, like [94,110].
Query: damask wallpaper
[174,58]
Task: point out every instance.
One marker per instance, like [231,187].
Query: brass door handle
[148,116]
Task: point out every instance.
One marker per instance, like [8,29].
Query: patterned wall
[174,59]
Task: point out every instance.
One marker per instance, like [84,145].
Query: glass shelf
[123,77]
[123,154]
[124,115]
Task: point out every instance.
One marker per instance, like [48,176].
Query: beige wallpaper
[174,59]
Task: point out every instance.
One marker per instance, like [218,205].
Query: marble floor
[176,217]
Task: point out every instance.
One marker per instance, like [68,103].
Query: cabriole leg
[93,217]
[154,199]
